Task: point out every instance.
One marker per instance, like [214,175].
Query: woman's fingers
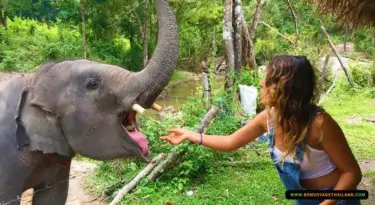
[175,131]
[176,136]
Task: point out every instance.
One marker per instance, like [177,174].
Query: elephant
[77,106]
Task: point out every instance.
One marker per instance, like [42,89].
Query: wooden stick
[337,54]
[207,90]
[174,156]
[124,190]
[328,91]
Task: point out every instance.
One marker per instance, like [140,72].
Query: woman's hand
[227,143]
[178,136]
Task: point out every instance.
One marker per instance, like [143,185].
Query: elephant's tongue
[140,139]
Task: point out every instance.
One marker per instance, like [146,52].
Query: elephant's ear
[40,125]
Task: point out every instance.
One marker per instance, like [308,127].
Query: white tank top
[319,163]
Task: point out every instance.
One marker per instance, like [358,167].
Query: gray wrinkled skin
[70,107]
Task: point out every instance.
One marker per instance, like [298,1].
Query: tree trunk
[214,46]
[2,16]
[323,76]
[373,36]
[254,22]
[248,57]
[345,40]
[252,29]
[207,90]
[228,41]
[146,33]
[84,55]
[295,20]
[237,17]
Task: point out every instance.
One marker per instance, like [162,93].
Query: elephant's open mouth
[128,122]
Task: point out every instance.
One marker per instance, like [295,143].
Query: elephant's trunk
[158,72]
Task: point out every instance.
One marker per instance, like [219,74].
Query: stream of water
[179,94]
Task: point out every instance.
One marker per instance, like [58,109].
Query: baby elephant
[77,106]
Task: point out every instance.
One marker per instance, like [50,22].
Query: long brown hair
[290,88]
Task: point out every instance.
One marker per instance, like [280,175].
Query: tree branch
[295,20]
[254,22]
[124,190]
[286,38]
[174,156]
[337,54]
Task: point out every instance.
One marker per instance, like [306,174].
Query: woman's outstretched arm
[241,137]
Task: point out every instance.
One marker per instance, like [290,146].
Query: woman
[300,133]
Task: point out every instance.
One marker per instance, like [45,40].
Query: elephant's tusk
[156,107]
[139,109]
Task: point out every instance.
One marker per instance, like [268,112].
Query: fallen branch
[124,190]
[337,54]
[164,165]
[174,156]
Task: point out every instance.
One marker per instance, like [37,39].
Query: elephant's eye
[92,84]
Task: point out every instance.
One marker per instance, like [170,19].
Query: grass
[349,110]
[177,76]
[254,181]
[371,174]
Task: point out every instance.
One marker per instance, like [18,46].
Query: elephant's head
[87,107]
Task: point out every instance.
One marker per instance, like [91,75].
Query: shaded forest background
[123,32]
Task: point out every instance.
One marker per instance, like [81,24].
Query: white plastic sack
[248,95]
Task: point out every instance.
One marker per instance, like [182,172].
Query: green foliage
[363,41]
[25,44]
[363,75]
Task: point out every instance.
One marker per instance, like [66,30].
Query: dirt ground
[366,184]
[5,75]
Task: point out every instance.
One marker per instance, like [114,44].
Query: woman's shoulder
[323,125]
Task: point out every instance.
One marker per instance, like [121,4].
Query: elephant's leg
[11,201]
[11,187]
[56,194]
[56,191]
